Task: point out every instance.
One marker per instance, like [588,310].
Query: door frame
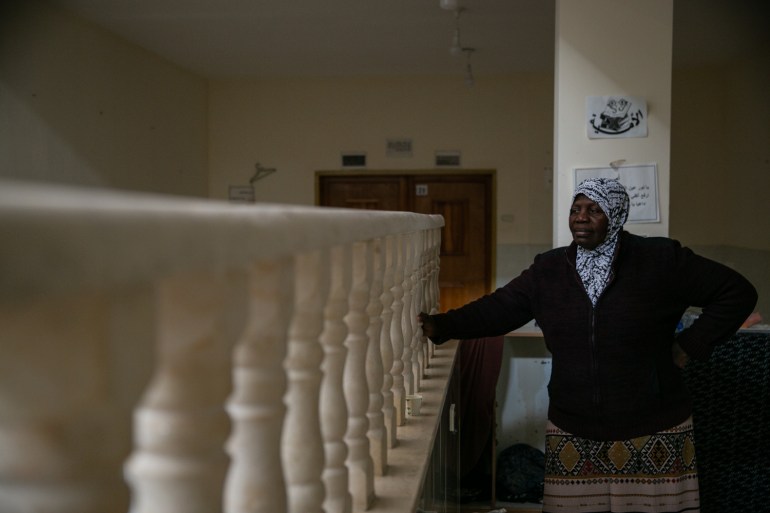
[491,192]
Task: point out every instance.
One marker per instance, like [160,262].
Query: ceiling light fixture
[456,49]
[469,80]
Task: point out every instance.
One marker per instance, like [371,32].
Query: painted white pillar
[302,447]
[255,482]
[604,48]
[334,409]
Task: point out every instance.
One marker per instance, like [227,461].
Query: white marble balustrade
[169,355]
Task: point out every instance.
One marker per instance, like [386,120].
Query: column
[623,58]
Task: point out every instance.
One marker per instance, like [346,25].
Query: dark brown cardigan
[613,376]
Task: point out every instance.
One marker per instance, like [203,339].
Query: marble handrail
[164,354]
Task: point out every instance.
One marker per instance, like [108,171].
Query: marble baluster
[72,369]
[334,410]
[424,301]
[302,447]
[359,463]
[397,330]
[406,315]
[255,482]
[179,463]
[435,257]
[386,343]
[428,291]
[415,249]
[374,366]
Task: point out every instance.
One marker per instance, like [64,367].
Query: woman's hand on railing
[426,323]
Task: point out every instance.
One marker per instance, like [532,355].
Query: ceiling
[237,38]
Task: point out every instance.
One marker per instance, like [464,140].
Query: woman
[619,435]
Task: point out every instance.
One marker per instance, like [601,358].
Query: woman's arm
[725,297]
[492,315]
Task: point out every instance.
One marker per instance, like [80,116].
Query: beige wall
[721,154]
[80,106]
[300,126]
[748,134]
[698,156]
[720,165]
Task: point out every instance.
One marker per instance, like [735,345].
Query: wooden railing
[168,355]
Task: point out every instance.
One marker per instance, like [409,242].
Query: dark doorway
[465,201]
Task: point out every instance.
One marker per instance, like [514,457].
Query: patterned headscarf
[594,265]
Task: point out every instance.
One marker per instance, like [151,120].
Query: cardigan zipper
[597,395]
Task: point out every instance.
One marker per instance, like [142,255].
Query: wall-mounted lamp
[261,172]
[449,5]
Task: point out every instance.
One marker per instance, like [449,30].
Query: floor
[501,507]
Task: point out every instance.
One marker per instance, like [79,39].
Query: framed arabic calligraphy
[618,116]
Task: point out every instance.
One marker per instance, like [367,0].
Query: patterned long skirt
[649,474]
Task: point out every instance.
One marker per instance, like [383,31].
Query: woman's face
[587,222]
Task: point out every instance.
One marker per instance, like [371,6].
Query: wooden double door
[464,200]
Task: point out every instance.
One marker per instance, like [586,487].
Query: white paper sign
[241,193]
[641,183]
[610,117]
